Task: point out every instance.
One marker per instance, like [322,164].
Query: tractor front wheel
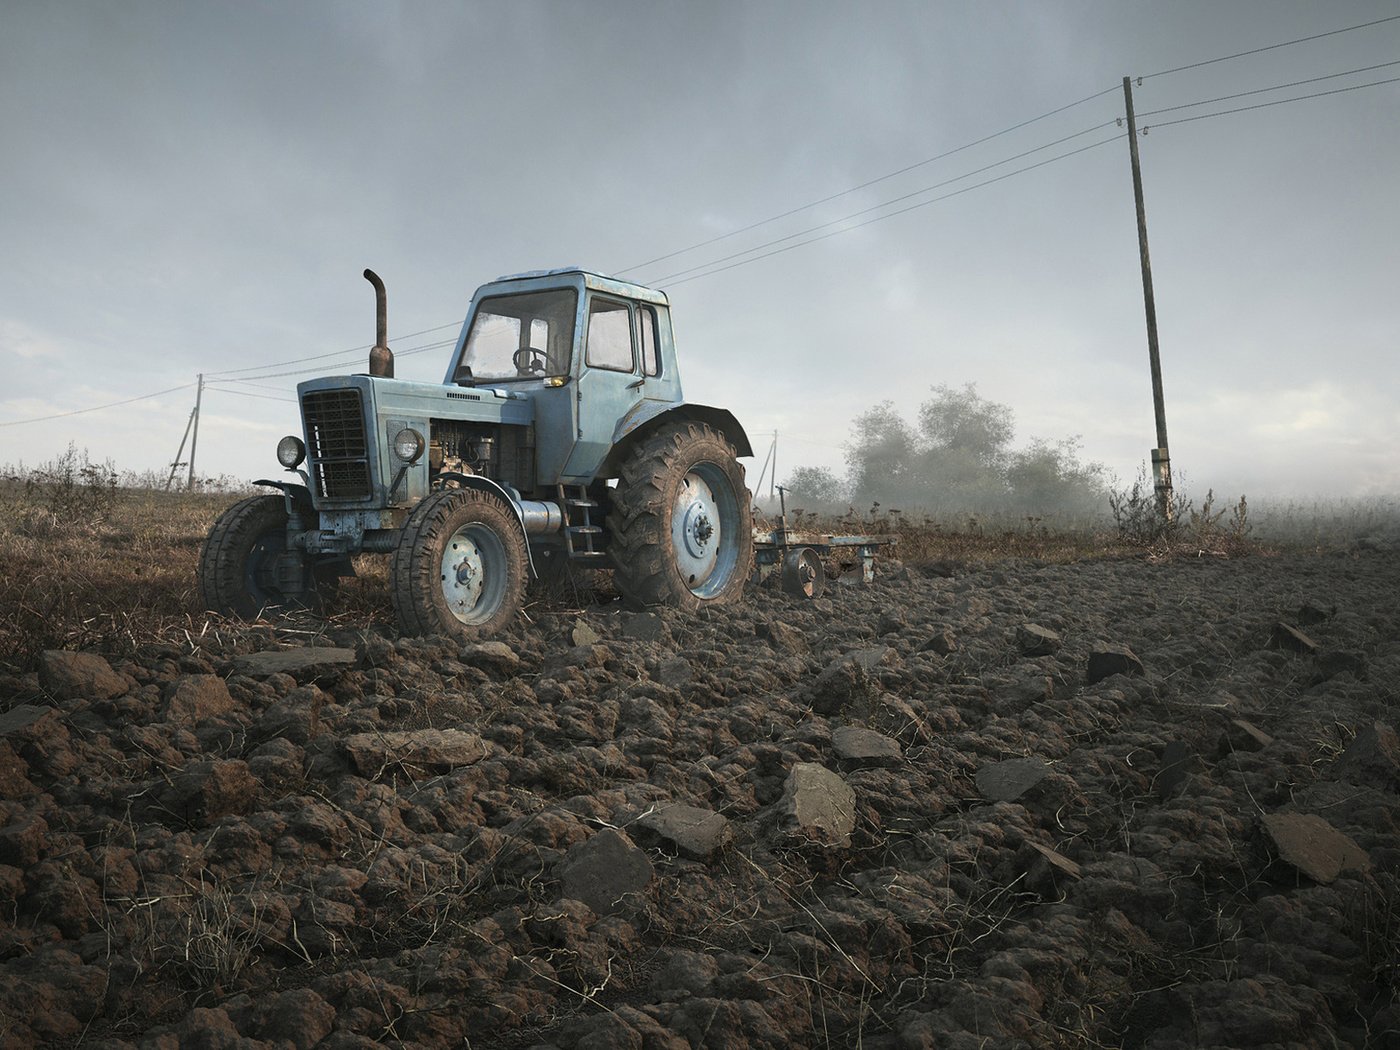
[681,528]
[460,565]
[243,568]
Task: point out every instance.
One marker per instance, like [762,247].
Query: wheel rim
[473,573]
[704,523]
[803,575]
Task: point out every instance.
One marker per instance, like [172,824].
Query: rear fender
[651,416]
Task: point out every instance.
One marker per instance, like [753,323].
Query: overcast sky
[196,188]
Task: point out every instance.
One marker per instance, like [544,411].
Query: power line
[865,185]
[901,211]
[1276,87]
[1266,105]
[1271,47]
[249,393]
[314,368]
[95,408]
[885,204]
[332,353]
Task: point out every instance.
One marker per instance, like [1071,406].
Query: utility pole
[183,438]
[773,477]
[194,439]
[1161,459]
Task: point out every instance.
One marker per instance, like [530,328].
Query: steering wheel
[529,361]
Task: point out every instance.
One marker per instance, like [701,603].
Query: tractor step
[579,529]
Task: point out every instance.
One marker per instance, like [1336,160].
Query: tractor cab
[595,355]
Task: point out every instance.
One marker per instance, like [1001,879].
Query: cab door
[610,382]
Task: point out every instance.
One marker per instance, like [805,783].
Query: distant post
[1161,458]
[194,437]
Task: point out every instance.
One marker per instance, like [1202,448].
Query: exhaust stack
[381,358]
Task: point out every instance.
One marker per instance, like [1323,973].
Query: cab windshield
[525,336]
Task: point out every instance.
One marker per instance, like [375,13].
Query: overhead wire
[1271,47]
[1276,87]
[865,185]
[901,211]
[332,353]
[886,204]
[1266,105]
[96,408]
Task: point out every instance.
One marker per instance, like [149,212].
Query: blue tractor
[559,436]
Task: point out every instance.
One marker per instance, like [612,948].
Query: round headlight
[408,445]
[290,451]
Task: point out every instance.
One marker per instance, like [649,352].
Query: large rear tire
[681,525]
[459,569]
[238,565]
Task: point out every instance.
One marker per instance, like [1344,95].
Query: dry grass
[85,564]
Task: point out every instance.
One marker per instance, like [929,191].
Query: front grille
[336,445]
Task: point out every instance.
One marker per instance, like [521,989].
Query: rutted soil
[1109,803]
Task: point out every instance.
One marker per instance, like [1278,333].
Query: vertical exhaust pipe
[381,358]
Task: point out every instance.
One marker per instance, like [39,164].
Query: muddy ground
[1111,803]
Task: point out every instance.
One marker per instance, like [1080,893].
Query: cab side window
[609,336]
[646,323]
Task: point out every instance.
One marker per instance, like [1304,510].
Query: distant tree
[880,456]
[963,450]
[959,457]
[1048,478]
[817,486]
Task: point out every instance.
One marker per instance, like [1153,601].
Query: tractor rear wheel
[238,567]
[680,525]
[459,569]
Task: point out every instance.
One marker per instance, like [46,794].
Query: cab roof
[595,281]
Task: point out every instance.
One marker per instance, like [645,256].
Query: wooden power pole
[1161,459]
[194,437]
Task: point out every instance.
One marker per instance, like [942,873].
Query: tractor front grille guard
[337,445]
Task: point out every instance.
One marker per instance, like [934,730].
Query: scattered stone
[848,680]
[582,634]
[865,747]
[1372,758]
[782,637]
[1034,640]
[1313,846]
[644,627]
[212,788]
[674,672]
[892,621]
[1286,636]
[1240,735]
[821,802]
[604,870]
[295,662]
[79,676]
[196,697]
[492,656]
[415,752]
[941,642]
[20,717]
[1008,780]
[25,841]
[1309,614]
[688,830]
[1046,870]
[1341,661]
[1107,659]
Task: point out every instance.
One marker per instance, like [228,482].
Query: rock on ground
[1019,805]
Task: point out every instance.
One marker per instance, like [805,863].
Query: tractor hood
[350,424]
